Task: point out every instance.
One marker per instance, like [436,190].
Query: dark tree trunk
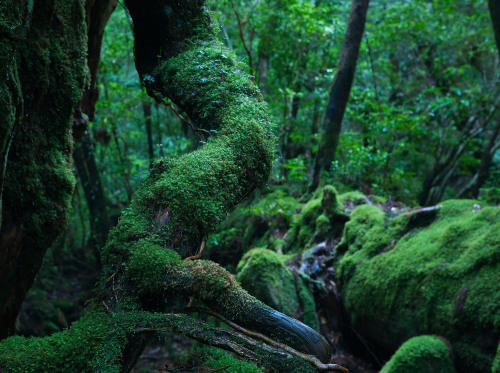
[494,6]
[39,182]
[339,95]
[97,16]
[263,68]
[88,173]
[487,156]
[146,108]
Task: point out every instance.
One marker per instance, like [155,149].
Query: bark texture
[47,70]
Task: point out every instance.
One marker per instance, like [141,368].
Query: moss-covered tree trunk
[43,60]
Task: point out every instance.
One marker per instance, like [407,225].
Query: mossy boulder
[264,275]
[323,216]
[422,354]
[428,271]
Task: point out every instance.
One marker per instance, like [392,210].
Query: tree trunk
[85,164]
[494,6]
[97,16]
[339,95]
[39,182]
[146,108]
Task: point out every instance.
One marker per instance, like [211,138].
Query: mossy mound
[263,274]
[322,217]
[430,271]
[202,358]
[423,354]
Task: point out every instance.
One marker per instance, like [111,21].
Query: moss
[210,358]
[423,354]
[50,66]
[83,347]
[321,217]
[196,191]
[262,222]
[262,273]
[433,277]
[355,197]
[496,363]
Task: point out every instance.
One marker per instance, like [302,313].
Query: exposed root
[310,358]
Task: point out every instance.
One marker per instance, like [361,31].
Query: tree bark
[339,95]
[146,108]
[39,183]
[85,164]
[97,16]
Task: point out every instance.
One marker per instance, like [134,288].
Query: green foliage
[423,354]
[420,79]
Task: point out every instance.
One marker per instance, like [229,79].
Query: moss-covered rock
[263,274]
[323,216]
[430,271]
[423,354]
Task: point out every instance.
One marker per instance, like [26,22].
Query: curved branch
[184,198]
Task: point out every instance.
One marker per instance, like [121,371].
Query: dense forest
[250,186]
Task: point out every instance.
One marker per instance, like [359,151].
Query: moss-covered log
[45,71]
[429,271]
[98,343]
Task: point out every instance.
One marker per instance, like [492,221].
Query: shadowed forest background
[382,234]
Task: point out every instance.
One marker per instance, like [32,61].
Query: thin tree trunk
[97,16]
[146,108]
[341,89]
[474,185]
[263,67]
[85,164]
